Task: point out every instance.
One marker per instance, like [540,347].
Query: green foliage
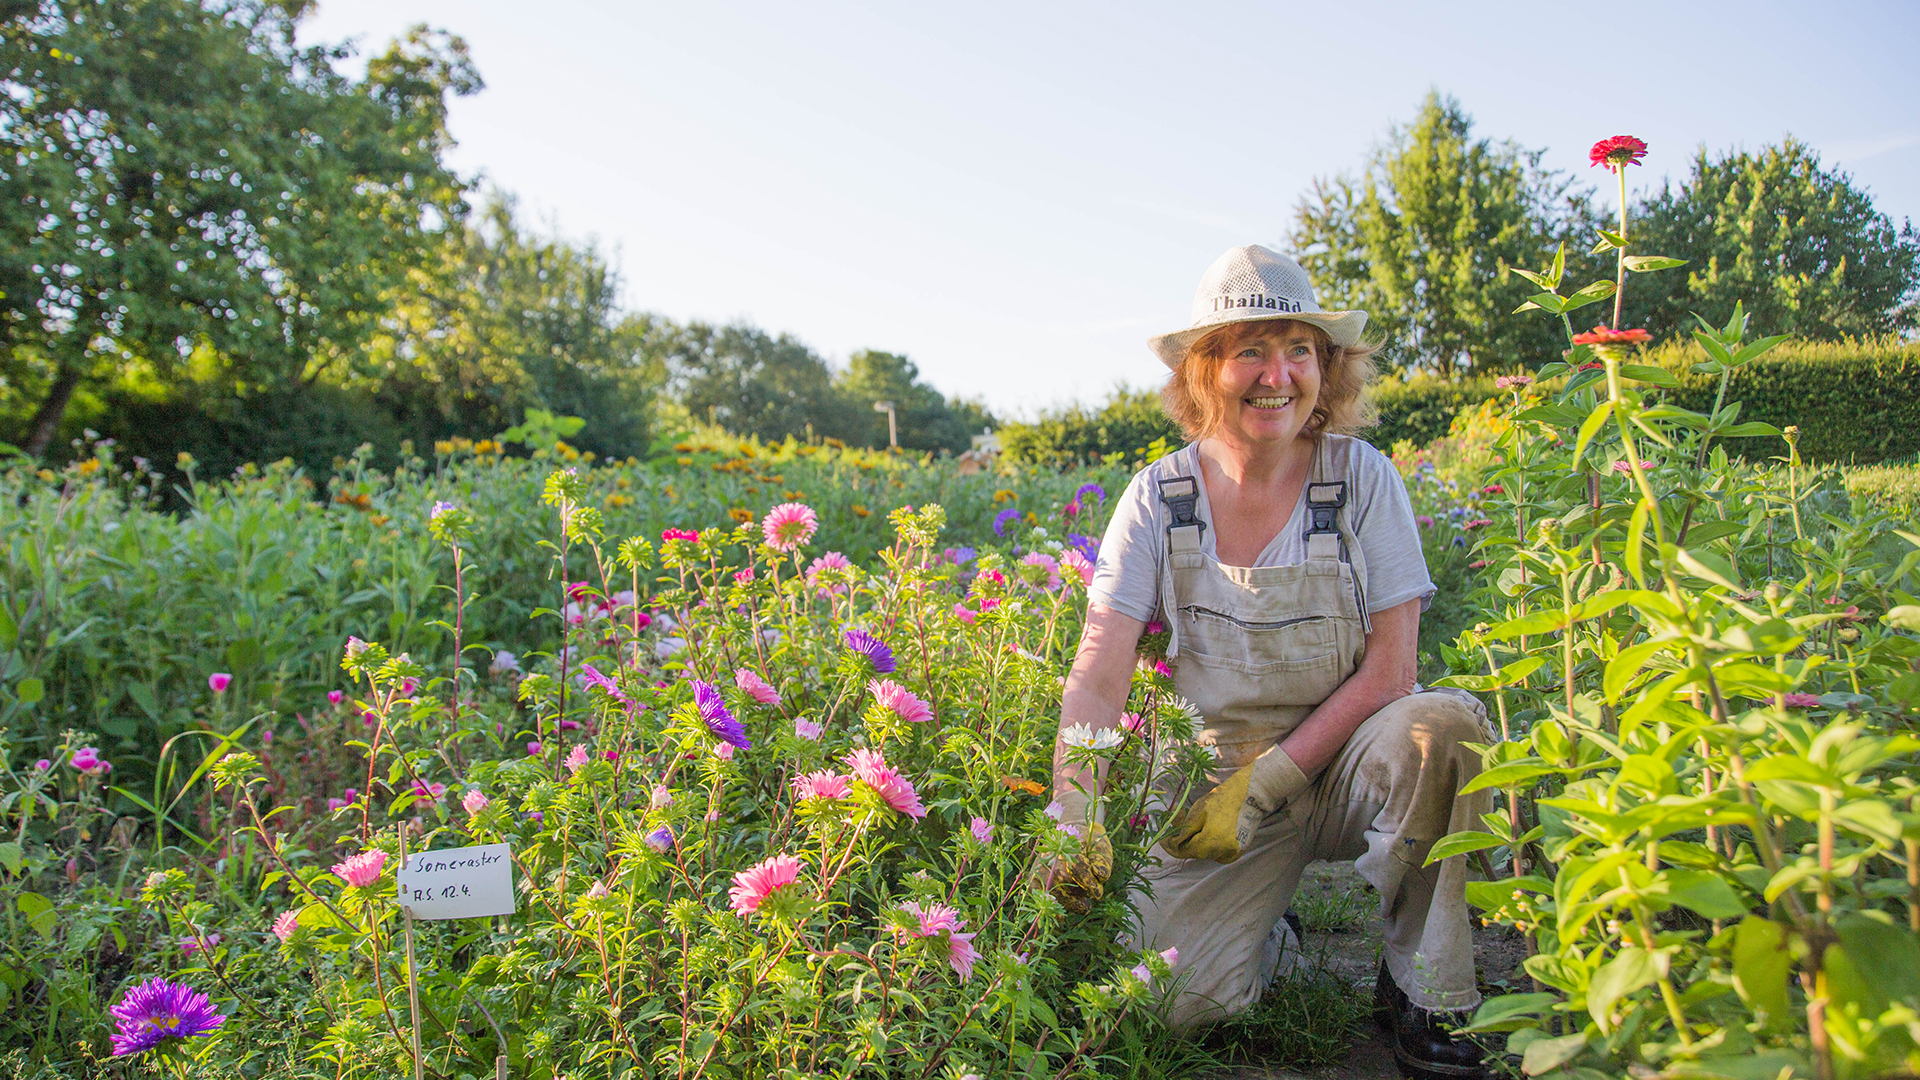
[926,421]
[1421,408]
[182,174]
[1800,245]
[1128,424]
[1422,241]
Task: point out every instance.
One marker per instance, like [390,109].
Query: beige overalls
[1256,649]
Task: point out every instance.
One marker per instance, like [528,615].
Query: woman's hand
[1220,824]
[1096,693]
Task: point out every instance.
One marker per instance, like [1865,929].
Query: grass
[1307,1018]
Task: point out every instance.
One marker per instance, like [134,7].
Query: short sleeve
[1126,577]
[1388,534]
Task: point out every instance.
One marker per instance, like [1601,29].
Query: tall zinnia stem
[1620,253]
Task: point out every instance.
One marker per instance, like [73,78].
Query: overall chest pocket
[1238,664]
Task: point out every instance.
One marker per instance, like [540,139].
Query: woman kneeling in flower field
[1282,558]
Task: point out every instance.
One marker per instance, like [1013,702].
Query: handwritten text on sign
[460,883]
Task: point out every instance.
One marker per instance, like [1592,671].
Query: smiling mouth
[1275,402]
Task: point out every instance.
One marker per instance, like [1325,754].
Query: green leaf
[1904,617]
[1658,376]
[29,691]
[1545,1054]
[1622,668]
[1591,427]
[1544,281]
[1592,294]
[12,856]
[1643,264]
[1460,843]
[1707,532]
[1708,565]
[1755,349]
[1887,956]
[1704,892]
[1761,961]
[1632,969]
[1508,775]
[39,912]
[1871,818]
[1749,429]
[1715,349]
[1550,370]
[1636,540]
[1545,301]
[1500,1013]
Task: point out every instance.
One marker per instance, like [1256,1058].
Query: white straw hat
[1249,284]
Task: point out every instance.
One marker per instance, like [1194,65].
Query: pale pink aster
[961,954]
[362,870]
[723,751]
[1171,954]
[982,830]
[1047,563]
[832,560]
[872,770]
[824,784]
[1078,565]
[1054,810]
[473,801]
[661,797]
[807,729]
[899,701]
[965,614]
[788,526]
[191,944]
[1143,973]
[749,680]
[752,886]
[577,758]
[285,924]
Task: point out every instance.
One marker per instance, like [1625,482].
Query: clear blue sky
[1017,195]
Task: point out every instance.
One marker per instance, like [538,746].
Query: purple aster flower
[1094,489]
[660,839]
[1001,519]
[873,649]
[594,678]
[1085,545]
[440,507]
[156,1011]
[719,721]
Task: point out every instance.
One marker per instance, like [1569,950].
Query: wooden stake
[500,1067]
[413,977]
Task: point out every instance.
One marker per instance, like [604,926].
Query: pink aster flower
[807,729]
[335,697]
[285,924]
[1802,701]
[362,870]
[872,770]
[982,830]
[1425,521]
[788,526]
[474,802]
[899,701]
[961,954]
[1046,563]
[577,759]
[667,536]
[824,784]
[1132,721]
[832,560]
[932,920]
[190,944]
[218,681]
[661,797]
[1077,564]
[965,614]
[743,577]
[756,687]
[534,748]
[752,886]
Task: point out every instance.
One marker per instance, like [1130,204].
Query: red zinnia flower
[1601,335]
[1617,152]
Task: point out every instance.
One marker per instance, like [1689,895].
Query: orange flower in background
[1016,783]
[1601,335]
[1618,152]
[740,514]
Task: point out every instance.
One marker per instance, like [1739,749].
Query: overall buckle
[1323,503]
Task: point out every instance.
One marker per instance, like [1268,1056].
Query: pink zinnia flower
[577,759]
[1617,152]
[285,924]
[961,954]
[218,681]
[1802,701]
[824,784]
[872,770]
[1507,382]
[752,886]
[899,701]
[749,680]
[982,830]
[788,526]
[1077,564]
[1047,563]
[807,729]
[335,697]
[473,801]
[362,870]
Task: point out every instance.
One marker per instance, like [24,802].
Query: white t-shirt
[1127,575]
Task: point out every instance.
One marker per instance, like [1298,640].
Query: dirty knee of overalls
[1440,726]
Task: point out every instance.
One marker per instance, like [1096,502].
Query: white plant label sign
[458,883]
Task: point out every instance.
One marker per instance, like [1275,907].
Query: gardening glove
[1220,824]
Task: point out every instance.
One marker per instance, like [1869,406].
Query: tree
[1803,248]
[926,420]
[179,177]
[1422,241]
[753,383]
[503,321]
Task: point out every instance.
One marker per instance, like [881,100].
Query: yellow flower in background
[183,459]
[486,446]
[443,446]
[682,448]
[683,461]
[740,514]
[378,520]
[860,511]
[89,466]
[615,501]
[1005,495]
[794,496]
[1033,518]
[46,474]
[622,483]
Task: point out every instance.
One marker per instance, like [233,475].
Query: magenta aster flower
[752,886]
[218,681]
[961,954]
[825,784]
[1802,701]
[1045,565]
[362,870]
[157,1011]
[871,768]
[873,649]
[756,687]
[982,830]
[788,526]
[899,701]
[832,560]
[1072,562]
[593,677]
[932,920]
[335,697]
[720,723]
[670,535]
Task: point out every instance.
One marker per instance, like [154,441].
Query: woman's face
[1270,383]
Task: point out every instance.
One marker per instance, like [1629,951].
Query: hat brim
[1342,327]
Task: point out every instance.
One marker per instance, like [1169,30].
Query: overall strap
[1182,496]
[1327,532]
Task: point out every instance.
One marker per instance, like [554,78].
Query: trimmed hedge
[1423,409]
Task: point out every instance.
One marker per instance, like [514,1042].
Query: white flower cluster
[1084,737]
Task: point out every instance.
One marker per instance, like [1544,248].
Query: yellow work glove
[1220,824]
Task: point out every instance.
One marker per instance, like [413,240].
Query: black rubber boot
[1422,1046]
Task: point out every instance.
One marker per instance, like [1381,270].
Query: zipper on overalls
[1195,609]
